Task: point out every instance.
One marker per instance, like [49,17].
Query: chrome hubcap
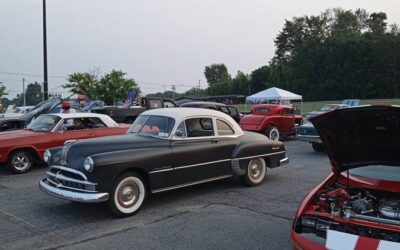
[21,162]
[255,169]
[128,193]
[273,135]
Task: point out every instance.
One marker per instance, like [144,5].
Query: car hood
[360,136]
[74,153]
[14,134]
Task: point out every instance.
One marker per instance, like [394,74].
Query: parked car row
[165,149]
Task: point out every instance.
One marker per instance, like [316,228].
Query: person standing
[66,108]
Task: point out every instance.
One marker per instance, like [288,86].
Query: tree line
[338,54]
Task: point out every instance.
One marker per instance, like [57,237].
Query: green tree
[114,87]
[33,94]
[195,92]
[83,83]
[216,73]
[2,90]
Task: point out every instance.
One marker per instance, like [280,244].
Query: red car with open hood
[358,205]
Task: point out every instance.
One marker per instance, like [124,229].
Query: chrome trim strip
[161,170]
[307,138]
[200,164]
[59,185]
[65,178]
[191,183]
[69,170]
[284,161]
[256,156]
[71,195]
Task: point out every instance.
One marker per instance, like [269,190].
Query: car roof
[181,113]
[274,106]
[208,104]
[105,118]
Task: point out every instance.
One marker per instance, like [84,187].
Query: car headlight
[88,164]
[47,156]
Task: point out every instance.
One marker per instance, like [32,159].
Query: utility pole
[173,90]
[199,83]
[23,90]
[45,80]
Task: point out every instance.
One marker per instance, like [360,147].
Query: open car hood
[360,136]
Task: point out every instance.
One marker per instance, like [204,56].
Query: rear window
[262,110]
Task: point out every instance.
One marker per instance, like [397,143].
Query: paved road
[219,215]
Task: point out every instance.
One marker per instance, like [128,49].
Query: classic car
[164,149]
[128,115]
[16,111]
[308,133]
[358,205]
[20,149]
[324,109]
[227,109]
[15,123]
[271,120]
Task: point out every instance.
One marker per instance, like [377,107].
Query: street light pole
[23,90]
[45,80]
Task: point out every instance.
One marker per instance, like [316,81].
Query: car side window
[224,109]
[181,131]
[233,111]
[92,122]
[287,112]
[199,127]
[73,124]
[223,128]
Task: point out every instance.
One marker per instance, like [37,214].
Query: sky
[159,43]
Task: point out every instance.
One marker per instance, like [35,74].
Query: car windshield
[379,172]
[44,123]
[329,107]
[158,126]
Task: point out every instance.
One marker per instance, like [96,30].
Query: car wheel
[255,172]
[318,147]
[272,133]
[20,161]
[128,195]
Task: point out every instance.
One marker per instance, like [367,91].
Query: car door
[72,129]
[197,152]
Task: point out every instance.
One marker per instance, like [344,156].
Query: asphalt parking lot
[218,215]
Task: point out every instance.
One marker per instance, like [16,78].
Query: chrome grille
[69,178]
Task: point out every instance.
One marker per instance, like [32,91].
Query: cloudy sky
[157,42]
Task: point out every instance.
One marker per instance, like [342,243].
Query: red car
[20,149]
[272,120]
[358,205]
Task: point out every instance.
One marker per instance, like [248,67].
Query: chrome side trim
[191,183]
[69,170]
[257,156]
[72,195]
[200,164]
[161,170]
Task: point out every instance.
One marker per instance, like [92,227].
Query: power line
[28,74]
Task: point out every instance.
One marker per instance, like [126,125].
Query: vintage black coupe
[164,149]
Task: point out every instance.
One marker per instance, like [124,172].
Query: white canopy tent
[274,94]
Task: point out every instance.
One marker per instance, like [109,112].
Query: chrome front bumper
[77,196]
[309,138]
